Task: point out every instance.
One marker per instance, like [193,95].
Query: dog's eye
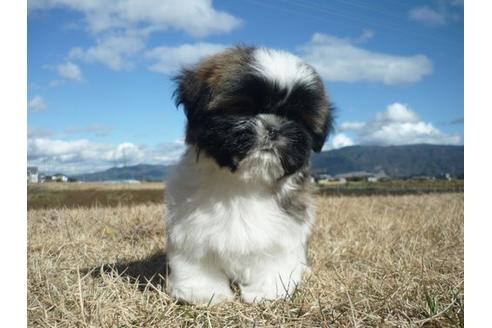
[238,106]
[244,104]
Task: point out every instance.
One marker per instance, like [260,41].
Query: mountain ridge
[394,161]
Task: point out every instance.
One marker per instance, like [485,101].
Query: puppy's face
[256,111]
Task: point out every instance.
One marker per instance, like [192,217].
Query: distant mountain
[394,161]
[136,172]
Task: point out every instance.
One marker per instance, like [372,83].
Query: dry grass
[70,195]
[377,261]
[97,185]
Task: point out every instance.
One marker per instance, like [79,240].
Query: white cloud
[398,125]
[168,60]
[195,17]
[441,13]
[82,155]
[352,125]
[113,51]
[56,83]
[339,140]
[170,152]
[338,59]
[38,132]
[397,112]
[37,103]
[121,27]
[44,147]
[69,71]
[365,36]
[126,153]
[427,15]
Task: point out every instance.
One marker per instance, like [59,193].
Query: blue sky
[99,73]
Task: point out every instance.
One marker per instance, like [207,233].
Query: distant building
[342,178]
[323,176]
[59,178]
[362,176]
[32,174]
[326,179]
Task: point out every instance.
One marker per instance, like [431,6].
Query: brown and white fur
[239,202]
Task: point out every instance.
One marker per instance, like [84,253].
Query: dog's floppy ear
[191,92]
[321,124]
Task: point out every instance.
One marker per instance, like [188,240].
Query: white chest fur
[222,227]
[211,210]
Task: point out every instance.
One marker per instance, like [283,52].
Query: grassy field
[403,184]
[377,261]
[74,195]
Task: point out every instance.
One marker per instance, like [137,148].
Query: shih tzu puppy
[239,203]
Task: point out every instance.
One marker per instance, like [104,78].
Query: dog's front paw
[249,295]
[198,282]
[273,285]
[266,291]
[200,296]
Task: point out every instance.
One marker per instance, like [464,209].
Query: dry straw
[377,261]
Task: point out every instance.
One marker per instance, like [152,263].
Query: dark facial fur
[233,111]
[226,139]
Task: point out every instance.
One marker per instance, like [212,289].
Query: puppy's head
[254,110]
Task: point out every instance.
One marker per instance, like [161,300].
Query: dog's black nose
[273,132]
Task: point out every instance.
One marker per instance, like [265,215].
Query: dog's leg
[274,277]
[197,281]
